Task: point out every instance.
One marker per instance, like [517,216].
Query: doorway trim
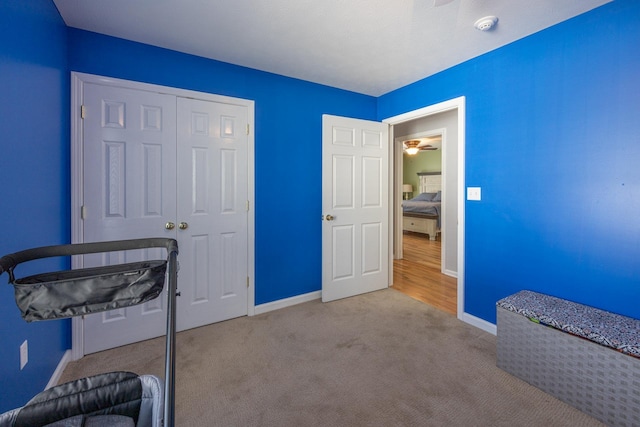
[452,104]
[77,83]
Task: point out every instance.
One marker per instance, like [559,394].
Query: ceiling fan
[413,146]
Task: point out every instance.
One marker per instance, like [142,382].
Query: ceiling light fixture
[415,145]
[412,147]
[486,23]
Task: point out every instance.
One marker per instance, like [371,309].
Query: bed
[422,213]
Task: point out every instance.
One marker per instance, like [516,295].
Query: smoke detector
[486,23]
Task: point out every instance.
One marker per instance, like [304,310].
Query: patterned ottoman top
[606,328]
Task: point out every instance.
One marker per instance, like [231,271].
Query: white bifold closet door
[157,165]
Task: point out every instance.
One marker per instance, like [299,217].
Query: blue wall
[553,139]
[34,172]
[288,146]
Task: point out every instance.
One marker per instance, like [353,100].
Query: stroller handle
[8,262]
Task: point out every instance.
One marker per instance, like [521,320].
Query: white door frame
[396,230]
[77,82]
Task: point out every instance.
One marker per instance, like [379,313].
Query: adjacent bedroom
[423,267]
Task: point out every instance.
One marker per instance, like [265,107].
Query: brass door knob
[169,226]
[183,226]
[330,217]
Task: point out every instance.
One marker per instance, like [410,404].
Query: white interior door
[212,212]
[129,178]
[355,203]
[152,159]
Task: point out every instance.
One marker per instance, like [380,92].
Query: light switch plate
[474,193]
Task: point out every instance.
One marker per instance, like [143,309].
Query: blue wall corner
[288,146]
[552,139]
[34,83]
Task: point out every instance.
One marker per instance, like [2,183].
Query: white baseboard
[287,302]
[479,323]
[66,358]
[450,273]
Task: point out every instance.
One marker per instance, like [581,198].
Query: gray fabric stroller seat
[114,399]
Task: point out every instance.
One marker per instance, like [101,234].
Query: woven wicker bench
[586,357]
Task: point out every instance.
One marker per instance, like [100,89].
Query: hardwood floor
[418,274]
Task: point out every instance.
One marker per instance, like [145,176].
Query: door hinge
[83,111]
[83,212]
[247,206]
[247,128]
[247,281]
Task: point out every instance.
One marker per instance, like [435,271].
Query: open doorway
[446,118]
[421,170]
[421,259]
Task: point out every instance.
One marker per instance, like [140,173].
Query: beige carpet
[380,359]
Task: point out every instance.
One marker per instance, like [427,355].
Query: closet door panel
[129,182]
[212,198]
[158,165]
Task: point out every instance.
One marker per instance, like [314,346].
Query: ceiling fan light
[411,147]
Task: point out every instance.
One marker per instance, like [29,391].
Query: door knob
[183,226]
[169,226]
[329,217]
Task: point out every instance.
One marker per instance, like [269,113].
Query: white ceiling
[366,46]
